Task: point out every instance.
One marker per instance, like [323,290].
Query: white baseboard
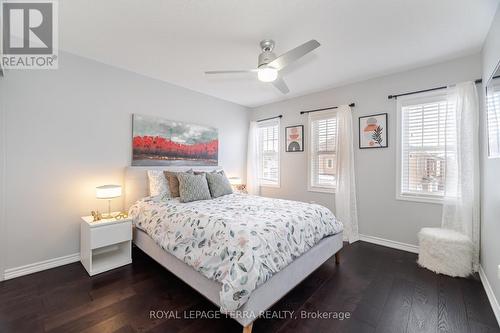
[389,243]
[40,266]
[491,295]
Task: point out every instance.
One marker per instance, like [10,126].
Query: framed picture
[294,138]
[158,141]
[373,131]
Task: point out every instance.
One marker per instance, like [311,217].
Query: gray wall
[69,130]
[490,173]
[380,214]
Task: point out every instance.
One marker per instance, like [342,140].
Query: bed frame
[262,298]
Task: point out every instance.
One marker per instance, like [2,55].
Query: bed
[266,275]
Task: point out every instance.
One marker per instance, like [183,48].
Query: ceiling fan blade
[281,85]
[294,54]
[231,71]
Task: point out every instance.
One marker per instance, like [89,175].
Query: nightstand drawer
[111,234]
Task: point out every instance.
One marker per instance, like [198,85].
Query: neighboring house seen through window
[425,127]
[322,151]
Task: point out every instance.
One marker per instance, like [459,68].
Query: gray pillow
[173,182]
[219,184]
[193,187]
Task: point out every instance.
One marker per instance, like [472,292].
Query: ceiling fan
[269,65]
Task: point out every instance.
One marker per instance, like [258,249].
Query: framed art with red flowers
[294,138]
[159,141]
[373,131]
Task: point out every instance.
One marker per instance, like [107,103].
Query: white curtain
[461,199]
[253,158]
[345,196]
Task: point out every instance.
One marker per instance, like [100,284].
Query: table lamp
[237,184]
[235,181]
[108,192]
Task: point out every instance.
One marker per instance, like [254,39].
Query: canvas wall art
[373,131]
[294,138]
[159,141]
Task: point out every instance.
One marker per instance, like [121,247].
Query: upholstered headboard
[137,184]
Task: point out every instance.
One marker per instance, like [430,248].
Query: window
[269,162]
[323,151]
[493,108]
[425,128]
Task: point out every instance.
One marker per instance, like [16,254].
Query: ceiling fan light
[267,74]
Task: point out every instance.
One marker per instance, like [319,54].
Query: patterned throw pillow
[158,186]
[218,184]
[193,187]
[173,181]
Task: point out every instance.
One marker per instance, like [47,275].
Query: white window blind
[493,108]
[426,128]
[323,151]
[269,143]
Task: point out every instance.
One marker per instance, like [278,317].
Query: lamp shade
[235,180]
[108,191]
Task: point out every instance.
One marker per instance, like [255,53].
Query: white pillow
[158,186]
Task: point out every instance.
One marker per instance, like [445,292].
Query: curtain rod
[330,108]
[495,77]
[280,116]
[425,90]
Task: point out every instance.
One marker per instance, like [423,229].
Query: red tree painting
[158,141]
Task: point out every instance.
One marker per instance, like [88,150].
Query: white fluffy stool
[445,251]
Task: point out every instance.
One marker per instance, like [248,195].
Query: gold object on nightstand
[96,215]
[121,215]
[241,188]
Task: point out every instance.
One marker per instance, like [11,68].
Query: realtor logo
[29,38]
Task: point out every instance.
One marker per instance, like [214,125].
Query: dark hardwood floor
[383,289]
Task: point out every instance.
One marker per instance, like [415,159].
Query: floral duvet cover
[238,240]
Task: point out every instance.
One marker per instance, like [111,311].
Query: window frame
[265,182]
[402,101]
[487,125]
[310,119]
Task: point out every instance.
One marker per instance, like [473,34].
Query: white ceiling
[177,40]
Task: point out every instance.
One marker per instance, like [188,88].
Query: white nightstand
[105,244]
